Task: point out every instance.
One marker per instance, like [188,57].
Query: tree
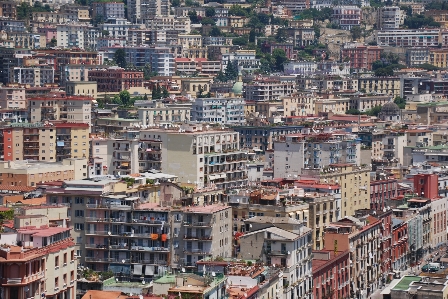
[231,71]
[193,15]
[419,21]
[208,21]
[428,67]
[400,102]
[157,92]
[165,93]
[175,3]
[353,111]
[145,98]
[384,72]
[252,36]
[215,31]
[374,111]
[120,58]
[210,12]
[237,10]
[221,77]
[239,41]
[125,98]
[105,32]
[356,32]
[53,42]
[279,57]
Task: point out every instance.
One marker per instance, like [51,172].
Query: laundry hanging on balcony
[154,237]
[164,237]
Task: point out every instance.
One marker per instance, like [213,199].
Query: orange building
[116,79]
[361,57]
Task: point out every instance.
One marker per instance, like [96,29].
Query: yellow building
[355,186]
[383,85]
[249,108]
[438,57]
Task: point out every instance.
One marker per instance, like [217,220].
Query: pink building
[331,274]
[49,32]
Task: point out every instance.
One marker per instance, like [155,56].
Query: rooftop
[404,283]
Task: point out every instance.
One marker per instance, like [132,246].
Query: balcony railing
[191,237]
[200,224]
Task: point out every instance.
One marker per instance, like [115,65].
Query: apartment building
[108,10]
[44,266]
[30,173]
[77,35]
[408,38]
[331,272]
[244,59]
[76,73]
[335,83]
[45,142]
[381,191]
[116,79]
[362,239]
[346,17]
[203,156]
[200,232]
[268,89]
[361,57]
[164,113]
[390,17]
[438,57]
[262,138]
[160,59]
[73,109]
[384,85]
[8,9]
[33,76]
[417,56]
[141,11]
[400,252]
[117,27]
[226,111]
[12,97]
[53,17]
[284,243]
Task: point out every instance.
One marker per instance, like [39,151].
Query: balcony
[195,251]
[198,224]
[277,252]
[202,238]
[97,219]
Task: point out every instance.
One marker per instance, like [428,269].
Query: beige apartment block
[12,98]
[47,140]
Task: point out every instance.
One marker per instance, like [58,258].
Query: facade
[347,17]
[268,89]
[416,56]
[384,85]
[140,11]
[226,111]
[74,109]
[331,274]
[408,38]
[381,191]
[361,57]
[400,245]
[200,156]
[390,17]
[33,76]
[12,98]
[163,114]
[116,79]
[108,10]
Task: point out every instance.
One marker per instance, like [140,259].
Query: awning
[212,177]
[138,269]
[149,150]
[125,164]
[60,143]
[149,270]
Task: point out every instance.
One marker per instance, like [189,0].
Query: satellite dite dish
[109,233]
[213,274]
[123,261]
[143,282]
[183,270]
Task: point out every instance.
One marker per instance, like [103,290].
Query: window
[79,226]
[65,258]
[56,282]
[72,255]
[56,261]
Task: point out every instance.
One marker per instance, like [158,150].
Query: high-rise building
[140,11]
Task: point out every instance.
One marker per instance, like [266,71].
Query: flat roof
[404,283]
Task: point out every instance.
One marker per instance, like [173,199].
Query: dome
[390,109]
[237,87]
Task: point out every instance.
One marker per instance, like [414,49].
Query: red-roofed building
[361,57]
[116,79]
[331,274]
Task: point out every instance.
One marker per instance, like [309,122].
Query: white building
[228,111]
[117,28]
[300,67]
[408,37]
[289,157]
[438,222]
[141,11]
[390,17]
[72,35]
[34,76]
[245,59]
[347,17]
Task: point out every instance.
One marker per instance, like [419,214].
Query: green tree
[105,32]
[356,32]
[175,3]
[419,21]
[239,41]
[252,36]
[165,93]
[193,15]
[145,98]
[428,67]
[53,42]
[316,31]
[279,57]
[210,12]
[374,111]
[231,71]
[400,102]
[237,10]
[125,98]
[208,21]
[215,31]
[120,57]
[221,77]
[353,111]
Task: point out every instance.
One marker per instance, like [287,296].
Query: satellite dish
[109,233]
[143,282]
[213,274]
[123,261]
[183,270]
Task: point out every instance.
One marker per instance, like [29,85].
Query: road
[409,271]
